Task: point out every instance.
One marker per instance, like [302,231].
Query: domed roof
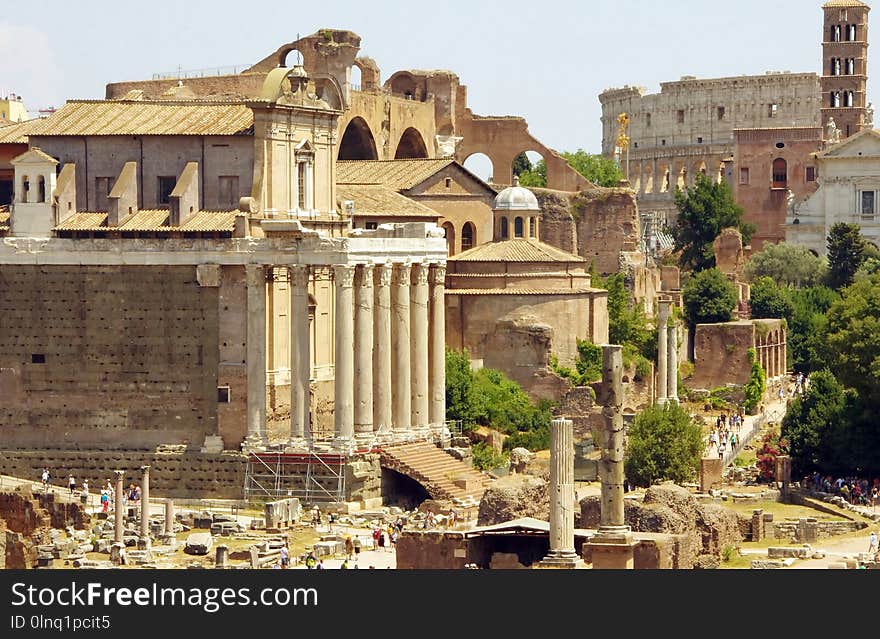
[516,198]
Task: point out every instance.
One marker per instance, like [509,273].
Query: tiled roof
[379,200]
[16,133]
[516,251]
[394,174]
[4,218]
[521,291]
[843,3]
[150,221]
[138,117]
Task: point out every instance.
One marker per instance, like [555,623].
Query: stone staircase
[442,475]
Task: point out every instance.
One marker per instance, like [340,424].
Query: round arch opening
[531,169]
[411,146]
[480,165]
[357,142]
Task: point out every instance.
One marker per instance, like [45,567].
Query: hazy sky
[544,60]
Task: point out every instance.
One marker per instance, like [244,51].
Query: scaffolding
[310,477]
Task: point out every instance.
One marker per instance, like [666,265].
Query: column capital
[401,276]
[384,271]
[145,469]
[420,273]
[344,274]
[299,275]
[366,279]
[255,274]
[120,475]
[438,274]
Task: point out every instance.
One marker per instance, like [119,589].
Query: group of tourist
[856,491]
[726,433]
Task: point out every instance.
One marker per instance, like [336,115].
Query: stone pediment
[34,156]
[862,144]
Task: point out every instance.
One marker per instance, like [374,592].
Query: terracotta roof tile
[4,218]
[516,251]
[113,117]
[16,133]
[150,221]
[379,200]
[394,174]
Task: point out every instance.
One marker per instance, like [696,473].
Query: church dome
[516,198]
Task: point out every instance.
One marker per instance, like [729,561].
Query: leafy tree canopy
[847,250]
[769,301]
[709,298]
[704,210]
[664,442]
[787,265]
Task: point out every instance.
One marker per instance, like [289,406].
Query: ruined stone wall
[557,226]
[418,550]
[607,224]
[721,354]
[245,84]
[121,357]
[184,475]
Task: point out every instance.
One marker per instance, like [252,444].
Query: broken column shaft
[119,528]
[662,350]
[169,518]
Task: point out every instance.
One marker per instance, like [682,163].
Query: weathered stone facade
[721,352]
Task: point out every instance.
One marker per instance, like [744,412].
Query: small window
[468,236]
[635,145]
[166,186]
[771,110]
[505,231]
[371,226]
[301,181]
[223,395]
[780,145]
[811,174]
[41,189]
[448,182]
[681,116]
[699,140]
[38,358]
[721,113]
[780,173]
[518,227]
[867,205]
[744,175]
[662,142]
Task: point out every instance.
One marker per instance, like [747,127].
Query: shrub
[772,446]
[487,458]
[664,443]
[756,386]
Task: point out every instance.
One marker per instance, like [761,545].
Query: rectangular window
[771,110]
[166,186]
[103,186]
[228,191]
[662,142]
[811,174]
[699,140]
[371,226]
[223,395]
[301,177]
[647,119]
[38,358]
[721,113]
[867,205]
[744,175]
[681,116]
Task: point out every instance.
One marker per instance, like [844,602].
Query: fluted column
[672,365]
[400,351]
[562,500]
[119,514]
[382,410]
[419,350]
[145,503]
[256,356]
[300,358]
[343,411]
[662,350]
[363,357]
[437,353]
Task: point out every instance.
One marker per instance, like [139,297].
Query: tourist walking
[285,557]
[45,477]
[872,543]
[71,484]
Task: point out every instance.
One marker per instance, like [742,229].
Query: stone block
[766,564]
[198,544]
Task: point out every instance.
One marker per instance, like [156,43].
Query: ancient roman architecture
[845,66]
[562,497]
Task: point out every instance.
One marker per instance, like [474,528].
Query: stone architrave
[343,410]
[256,356]
[400,353]
[612,546]
[672,365]
[300,358]
[119,514]
[562,497]
[437,353]
[419,351]
[145,503]
[363,357]
[382,354]
[662,350]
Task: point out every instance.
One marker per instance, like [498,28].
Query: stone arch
[357,142]
[681,178]
[665,176]
[647,179]
[480,165]
[410,146]
[450,237]
[406,85]
[468,236]
[368,71]
[285,51]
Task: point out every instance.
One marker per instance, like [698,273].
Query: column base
[662,400]
[612,548]
[297,444]
[254,444]
[561,561]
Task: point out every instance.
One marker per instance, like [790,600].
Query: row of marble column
[655,176]
[390,355]
[772,353]
[667,354]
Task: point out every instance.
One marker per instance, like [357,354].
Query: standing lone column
[363,358]
[437,353]
[612,546]
[562,553]
[256,356]
[419,351]
[400,349]
[145,503]
[662,351]
[119,519]
[673,363]
[300,358]
[382,356]
[343,411]
[169,518]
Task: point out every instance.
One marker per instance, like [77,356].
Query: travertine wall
[124,348]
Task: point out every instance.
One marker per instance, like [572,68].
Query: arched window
[518,227]
[468,236]
[780,173]
[25,187]
[852,37]
[533,227]
[835,99]
[41,189]
[505,232]
[835,66]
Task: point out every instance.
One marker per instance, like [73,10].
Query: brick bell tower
[845,65]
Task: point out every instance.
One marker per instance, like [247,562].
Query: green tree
[598,169]
[851,338]
[704,210]
[521,164]
[806,327]
[769,301]
[535,177]
[847,250]
[663,442]
[787,265]
[809,423]
[756,386]
[709,298]
[460,397]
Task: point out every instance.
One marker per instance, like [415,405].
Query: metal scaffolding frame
[310,477]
